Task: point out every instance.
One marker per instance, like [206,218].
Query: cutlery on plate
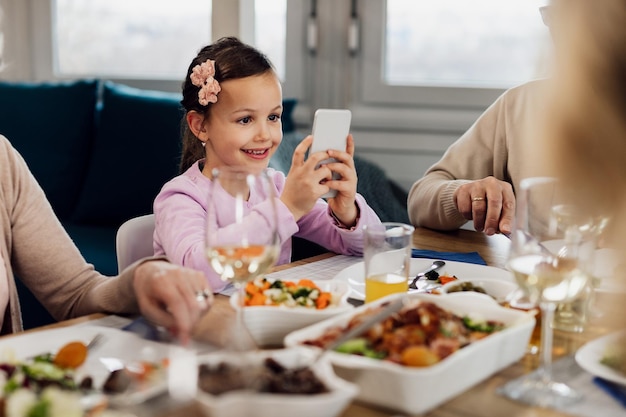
[430,273]
[387,310]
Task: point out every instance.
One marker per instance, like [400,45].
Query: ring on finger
[474,199]
[203,295]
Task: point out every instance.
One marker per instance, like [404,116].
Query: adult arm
[45,258]
[481,153]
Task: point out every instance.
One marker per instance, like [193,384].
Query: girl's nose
[264,132]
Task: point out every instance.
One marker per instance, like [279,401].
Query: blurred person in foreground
[35,247]
[585,139]
[587,135]
[478,174]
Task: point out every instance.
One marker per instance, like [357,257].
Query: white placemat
[324,269]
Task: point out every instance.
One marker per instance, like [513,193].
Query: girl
[233,102]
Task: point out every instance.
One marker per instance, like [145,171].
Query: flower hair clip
[202,76]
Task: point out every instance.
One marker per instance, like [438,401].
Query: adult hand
[489,202]
[172,296]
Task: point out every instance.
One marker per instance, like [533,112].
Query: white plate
[117,349]
[354,275]
[499,289]
[589,356]
[605,263]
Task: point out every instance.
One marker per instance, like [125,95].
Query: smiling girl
[233,102]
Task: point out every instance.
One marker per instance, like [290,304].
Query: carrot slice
[304,282]
[444,279]
[72,355]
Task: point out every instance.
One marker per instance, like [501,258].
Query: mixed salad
[303,293]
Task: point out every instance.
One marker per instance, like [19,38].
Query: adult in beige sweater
[477,176]
[36,248]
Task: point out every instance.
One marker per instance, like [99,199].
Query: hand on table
[489,202]
[172,296]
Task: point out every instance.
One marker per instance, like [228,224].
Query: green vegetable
[40,409]
[360,346]
[481,326]
[301,292]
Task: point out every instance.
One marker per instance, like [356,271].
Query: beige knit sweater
[36,248]
[498,144]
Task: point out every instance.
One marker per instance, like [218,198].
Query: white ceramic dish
[418,390]
[117,349]
[606,261]
[246,403]
[354,275]
[590,354]
[497,288]
[269,325]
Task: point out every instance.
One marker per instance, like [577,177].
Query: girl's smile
[257,153]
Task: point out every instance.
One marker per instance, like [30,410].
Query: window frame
[374,91]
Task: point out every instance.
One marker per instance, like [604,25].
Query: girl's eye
[274,117]
[245,120]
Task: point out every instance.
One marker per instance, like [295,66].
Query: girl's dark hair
[233,59]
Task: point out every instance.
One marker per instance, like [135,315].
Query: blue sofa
[102,151]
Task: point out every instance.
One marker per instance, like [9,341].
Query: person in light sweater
[233,102]
[35,247]
[477,176]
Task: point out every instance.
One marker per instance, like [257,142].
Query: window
[149,39]
[270,26]
[450,52]
[460,43]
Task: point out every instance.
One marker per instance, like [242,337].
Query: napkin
[467,257]
[615,390]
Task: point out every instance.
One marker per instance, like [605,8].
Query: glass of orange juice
[387,256]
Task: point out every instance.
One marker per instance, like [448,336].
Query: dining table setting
[468,382]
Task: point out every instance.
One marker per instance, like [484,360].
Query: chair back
[134,240]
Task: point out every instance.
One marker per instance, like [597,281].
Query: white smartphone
[330,131]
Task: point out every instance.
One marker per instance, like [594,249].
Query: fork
[95,341]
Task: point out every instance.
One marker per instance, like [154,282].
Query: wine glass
[548,276]
[242,233]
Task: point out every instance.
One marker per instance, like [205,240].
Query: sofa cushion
[136,150]
[51,125]
[288,123]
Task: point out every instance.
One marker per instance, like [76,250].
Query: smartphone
[330,131]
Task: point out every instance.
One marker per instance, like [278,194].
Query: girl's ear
[195,121]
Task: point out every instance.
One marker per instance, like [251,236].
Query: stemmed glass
[548,277]
[242,233]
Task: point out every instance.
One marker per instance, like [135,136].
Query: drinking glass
[547,277]
[387,258]
[242,233]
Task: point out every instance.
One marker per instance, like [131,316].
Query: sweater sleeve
[45,258]
[479,153]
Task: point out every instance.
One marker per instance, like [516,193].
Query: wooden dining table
[478,401]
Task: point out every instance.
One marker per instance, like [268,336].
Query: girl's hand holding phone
[343,204]
[306,182]
[304,186]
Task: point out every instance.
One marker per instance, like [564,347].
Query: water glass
[387,255]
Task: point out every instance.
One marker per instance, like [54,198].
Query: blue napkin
[467,257]
[615,390]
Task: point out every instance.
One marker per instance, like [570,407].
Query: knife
[387,310]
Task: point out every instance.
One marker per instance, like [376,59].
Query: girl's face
[244,127]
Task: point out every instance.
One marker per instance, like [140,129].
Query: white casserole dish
[418,390]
